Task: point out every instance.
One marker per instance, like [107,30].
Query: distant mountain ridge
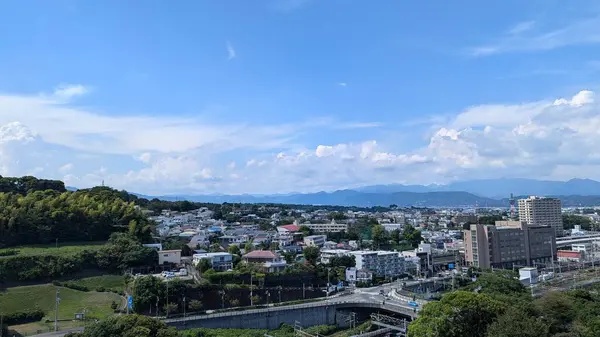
[499,188]
[483,193]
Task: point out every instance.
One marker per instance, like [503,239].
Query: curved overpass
[307,314]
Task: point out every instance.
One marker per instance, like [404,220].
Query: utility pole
[167,300]
[327,283]
[303,291]
[184,311]
[56,309]
[156,306]
[251,304]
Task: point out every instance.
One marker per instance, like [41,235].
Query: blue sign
[451,266]
[340,285]
[130,302]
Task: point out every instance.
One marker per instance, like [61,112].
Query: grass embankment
[108,282]
[49,249]
[97,305]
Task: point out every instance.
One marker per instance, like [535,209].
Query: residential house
[219,261]
[270,261]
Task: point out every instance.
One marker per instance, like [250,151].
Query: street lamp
[184,311]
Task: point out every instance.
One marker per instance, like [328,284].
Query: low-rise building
[315,240]
[169,256]
[354,275]
[219,261]
[331,227]
[270,261]
[327,254]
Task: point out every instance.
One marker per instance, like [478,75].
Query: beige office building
[541,211]
[508,244]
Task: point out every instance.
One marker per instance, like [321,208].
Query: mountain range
[484,193]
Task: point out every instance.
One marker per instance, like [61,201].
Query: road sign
[451,266]
[130,302]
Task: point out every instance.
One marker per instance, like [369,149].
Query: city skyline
[279,96]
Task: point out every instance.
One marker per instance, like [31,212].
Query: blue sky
[269,96]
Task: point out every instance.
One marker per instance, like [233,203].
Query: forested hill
[36,211]
[28,184]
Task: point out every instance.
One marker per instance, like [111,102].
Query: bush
[9,252]
[75,286]
[24,317]
[100,289]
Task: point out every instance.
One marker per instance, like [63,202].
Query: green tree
[234,302]
[234,250]
[215,247]
[203,265]
[379,235]
[412,236]
[457,314]
[311,254]
[129,326]
[146,289]
[170,308]
[195,305]
[306,231]
[558,311]
[514,323]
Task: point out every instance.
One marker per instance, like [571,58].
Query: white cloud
[81,129]
[66,168]
[145,157]
[521,39]
[521,27]
[230,51]
[342,84]
[68,91]
[539,139]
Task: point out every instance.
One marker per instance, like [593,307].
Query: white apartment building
[380,263]
[218,261]
[540,211]
[330,227]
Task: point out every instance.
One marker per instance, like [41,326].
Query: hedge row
[24,317]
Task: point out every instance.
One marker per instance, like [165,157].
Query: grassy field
[25,298]
[67,248]
[108,282]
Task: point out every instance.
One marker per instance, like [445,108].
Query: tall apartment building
[541,211]
[509,243]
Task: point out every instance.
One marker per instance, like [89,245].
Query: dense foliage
[23,317]
[497,305]
[121,252]
[43,216]
[128,326]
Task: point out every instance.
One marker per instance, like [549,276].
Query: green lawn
[67,248]
[72,301]
[108,282]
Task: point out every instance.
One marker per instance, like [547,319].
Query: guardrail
[389,306]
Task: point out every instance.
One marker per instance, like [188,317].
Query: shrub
[24,317]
